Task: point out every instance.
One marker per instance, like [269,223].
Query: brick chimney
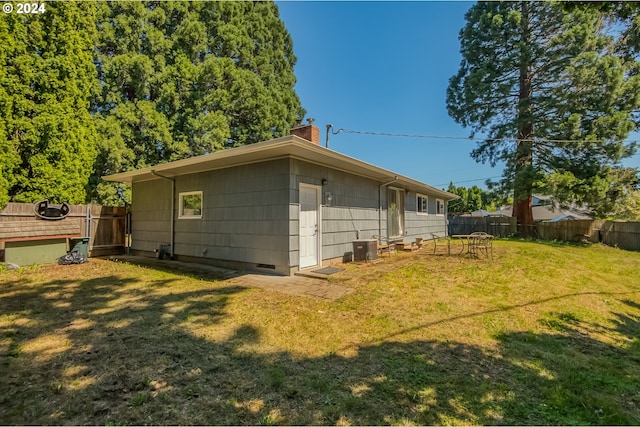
[310,132]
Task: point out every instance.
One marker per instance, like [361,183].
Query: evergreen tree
[47,77]
[555,101]
[9,159]
[187,78]
[472,199]
[458,205]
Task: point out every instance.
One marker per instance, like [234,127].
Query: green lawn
[543,334]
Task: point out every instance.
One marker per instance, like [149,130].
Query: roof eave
[287,146]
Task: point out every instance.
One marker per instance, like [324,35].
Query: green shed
[40,251]
[37,241]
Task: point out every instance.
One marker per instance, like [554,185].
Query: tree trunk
[523,180]
[522,210]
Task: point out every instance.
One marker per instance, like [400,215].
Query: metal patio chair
[442,242]
[481,243]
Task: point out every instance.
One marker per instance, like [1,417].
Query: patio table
[476,242]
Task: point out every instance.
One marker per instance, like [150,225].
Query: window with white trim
[439,207]
[190,205]
[422,204]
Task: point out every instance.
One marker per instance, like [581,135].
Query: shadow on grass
[579,243]
[93,352]
[193,270]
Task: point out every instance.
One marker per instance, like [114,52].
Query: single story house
[285,204]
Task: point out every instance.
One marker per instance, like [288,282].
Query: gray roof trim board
[285,147]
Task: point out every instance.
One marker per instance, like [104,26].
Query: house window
[190,205]
[439,207]
[395,212]
[422,204]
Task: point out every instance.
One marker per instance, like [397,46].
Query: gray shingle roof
[12,230]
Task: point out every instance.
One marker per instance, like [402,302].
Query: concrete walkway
[293,285]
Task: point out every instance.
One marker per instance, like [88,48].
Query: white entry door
[309,225]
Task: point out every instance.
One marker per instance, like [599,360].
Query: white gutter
[380,208]
[173,201]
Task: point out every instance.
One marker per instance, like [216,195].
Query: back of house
[283,205]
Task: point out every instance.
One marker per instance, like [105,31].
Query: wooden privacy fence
[624,235]
[571,231]
[105,226]
[499,226]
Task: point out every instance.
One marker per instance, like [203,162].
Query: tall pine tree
[545,85]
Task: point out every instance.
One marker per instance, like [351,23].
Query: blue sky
[384,67]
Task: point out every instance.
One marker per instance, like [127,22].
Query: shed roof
[285,147]
[17,230]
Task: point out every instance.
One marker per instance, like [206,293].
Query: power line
[469,180]
[404,135]
[470,138]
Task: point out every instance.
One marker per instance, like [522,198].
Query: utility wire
[404,135]
[470,138]
[461,138]
[469,180]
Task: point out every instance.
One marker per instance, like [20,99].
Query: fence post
[87,222]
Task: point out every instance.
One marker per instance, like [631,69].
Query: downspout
[173,201]
[380,208]
[446,217]
[87,233]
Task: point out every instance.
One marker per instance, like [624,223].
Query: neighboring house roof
[284,147]
[483,213]
[575,209]
[543,210]
[545,213]
[502,212]
[563,218]
[537,200]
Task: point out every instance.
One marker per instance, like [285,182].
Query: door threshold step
[311,274]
